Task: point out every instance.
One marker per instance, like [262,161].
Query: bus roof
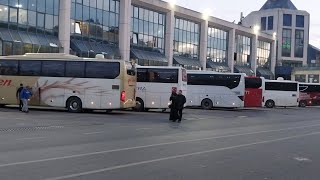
[212,72]
[318,84]
[54,57]
[159,67]
[282,81]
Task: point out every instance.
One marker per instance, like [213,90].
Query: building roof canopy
[278,4]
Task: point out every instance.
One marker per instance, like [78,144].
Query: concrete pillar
[254,50]
[273,56]
[64,25]
[169,37]
[203,44]
[124,29]
[231,48]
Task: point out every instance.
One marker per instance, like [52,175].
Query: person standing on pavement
[18,96]
[25,95]
[173,107]
[181,101]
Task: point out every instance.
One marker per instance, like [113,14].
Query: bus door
[253,92]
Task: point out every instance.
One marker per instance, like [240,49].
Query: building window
[147,29]
[263,23]
[313,78]
[263,54]
[186,38]
[286,42]
[243,50]
[96,20]
[4,13]
[300,21]
[300,78]
[299,44]
[217,45]
[287,20]
[270,23]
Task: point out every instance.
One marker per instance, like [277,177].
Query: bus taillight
[123,96]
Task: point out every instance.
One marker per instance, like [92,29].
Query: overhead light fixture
[206,14]
[172,3]
[256,29]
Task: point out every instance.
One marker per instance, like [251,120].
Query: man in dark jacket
[173,107]
[18,96]
[181,100]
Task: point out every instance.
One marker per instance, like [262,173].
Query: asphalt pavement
[248,144]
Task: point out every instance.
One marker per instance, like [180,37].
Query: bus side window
[8,67]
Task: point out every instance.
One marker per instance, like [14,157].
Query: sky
[230,10]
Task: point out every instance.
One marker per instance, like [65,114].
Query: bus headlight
[92,103]
[152,103]
[110,104]
[2,98]
[233,103]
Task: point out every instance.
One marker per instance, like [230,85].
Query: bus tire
[302,104]
[270,104]
[139,106]
[206,104]
[74,105]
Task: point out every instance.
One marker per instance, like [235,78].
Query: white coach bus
[155,85]
[60,80]
[280,93]
[208,89]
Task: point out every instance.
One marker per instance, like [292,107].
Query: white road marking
[148,146]
[179,156]
[31,138]
[242,116]
[90,133]
[141,129]
[302,159]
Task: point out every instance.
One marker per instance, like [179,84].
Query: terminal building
[291,28]
[150,32]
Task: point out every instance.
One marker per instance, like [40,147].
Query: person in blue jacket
[25,95]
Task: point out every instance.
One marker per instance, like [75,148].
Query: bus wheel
[139,106]
[206,104]
[270,104]
[302,104]
[74,105]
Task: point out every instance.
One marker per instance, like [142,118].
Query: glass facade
[186,38]
[300,21]
[147,29]
[287,20]
[217,45]
[270,23]
[286,42]
[243,50]
[95,21]
[299,43]
[263,54]
[29,26]
[263,23]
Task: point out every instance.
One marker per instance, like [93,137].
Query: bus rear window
[184,75]
[253,83]
[131,71]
